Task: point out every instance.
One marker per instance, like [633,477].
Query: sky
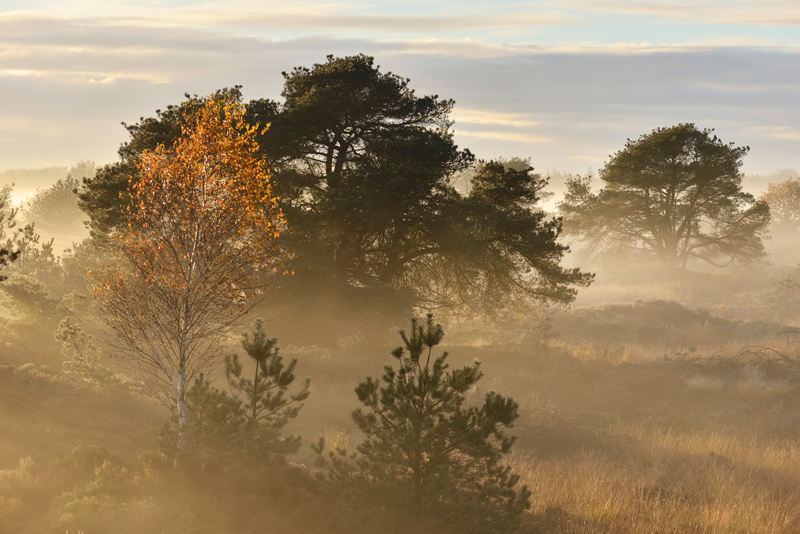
[562,82]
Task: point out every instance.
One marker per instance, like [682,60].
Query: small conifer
[427,463]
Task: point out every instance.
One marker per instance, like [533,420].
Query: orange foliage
[200,242]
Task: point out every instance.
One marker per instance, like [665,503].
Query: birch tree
[195,254]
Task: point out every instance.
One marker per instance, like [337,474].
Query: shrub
[427,463]
[28,299]
[82,356]
[248,420]
[784,298]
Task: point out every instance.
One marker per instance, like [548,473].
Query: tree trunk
[254,397]
[181,402]
[340,264]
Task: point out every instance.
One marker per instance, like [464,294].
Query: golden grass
[670,482]
[614,437]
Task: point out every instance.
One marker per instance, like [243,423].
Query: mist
[506,271]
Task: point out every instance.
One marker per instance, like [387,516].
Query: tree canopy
[103,194]
[675,195]
[784,204]
[364,171]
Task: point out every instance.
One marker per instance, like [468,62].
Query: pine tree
[244,423]
[265,402]
[427,463]
[214,430]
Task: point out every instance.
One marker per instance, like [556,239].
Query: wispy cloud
[308,18]
[478,48]
[737,12]
[515,137]
[790,133]
[528,80]
[80,77]
[477,116]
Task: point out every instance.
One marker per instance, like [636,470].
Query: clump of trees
[25,254]
[55,211]
[363,168]
[35,258]
[674,195]
[428,463]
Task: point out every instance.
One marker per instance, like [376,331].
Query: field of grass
[637,416]
[642,417]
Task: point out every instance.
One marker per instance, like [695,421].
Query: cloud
[485,49]
[69,80]
[733,12]
[514,137]
[477,116]
[789,133]
[306,19]
[378,23]
[78,77]
[411,17]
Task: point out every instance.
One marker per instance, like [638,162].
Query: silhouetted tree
[7,216]
[674,194]
[346,129]
[363,168]
[427,463]
[784,205]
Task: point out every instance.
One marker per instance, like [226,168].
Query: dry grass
[616,438]
[643,417]
[705,384]
[670,482]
